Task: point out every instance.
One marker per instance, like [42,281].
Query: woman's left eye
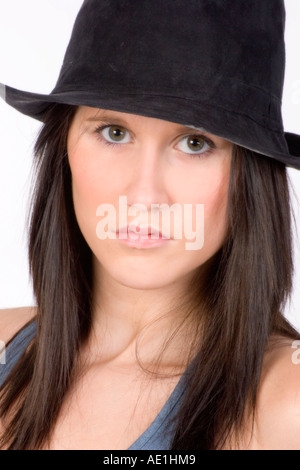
[195,144]
[114,134]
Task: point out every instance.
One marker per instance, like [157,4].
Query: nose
[147,183]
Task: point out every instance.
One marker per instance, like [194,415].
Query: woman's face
[141,167]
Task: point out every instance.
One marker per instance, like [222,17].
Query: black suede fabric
[214,64]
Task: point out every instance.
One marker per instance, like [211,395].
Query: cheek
[88,175]
[215,218]
[90,187]
[211,190]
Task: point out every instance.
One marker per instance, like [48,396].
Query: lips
[141,232]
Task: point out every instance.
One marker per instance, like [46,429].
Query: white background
[33,37]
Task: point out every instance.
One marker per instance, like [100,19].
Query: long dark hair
[246,286]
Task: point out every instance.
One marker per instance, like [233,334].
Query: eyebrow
[122,122]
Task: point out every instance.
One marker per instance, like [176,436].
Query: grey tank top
[158,435]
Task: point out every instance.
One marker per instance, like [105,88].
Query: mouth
[136,232]
[142,237]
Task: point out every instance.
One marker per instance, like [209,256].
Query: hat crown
[179,46]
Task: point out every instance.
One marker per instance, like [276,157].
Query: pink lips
[141,237]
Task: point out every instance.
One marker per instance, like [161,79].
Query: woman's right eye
[114,134]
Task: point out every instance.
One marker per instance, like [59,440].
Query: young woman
[159,324]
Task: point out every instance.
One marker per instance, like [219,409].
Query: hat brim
[238,128]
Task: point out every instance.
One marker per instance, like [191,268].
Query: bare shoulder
[277,420]
[13,319]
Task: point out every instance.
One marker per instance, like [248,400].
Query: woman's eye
[114,134]
[194,144]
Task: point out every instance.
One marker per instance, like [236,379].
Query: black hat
[213,64]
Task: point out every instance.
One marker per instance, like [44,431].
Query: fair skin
[132,285]
[111,403]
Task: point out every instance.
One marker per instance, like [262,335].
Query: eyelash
[98,131]
[209,142]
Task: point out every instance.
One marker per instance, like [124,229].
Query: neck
[128,321]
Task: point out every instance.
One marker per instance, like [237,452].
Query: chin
[143,284]
[142,279]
